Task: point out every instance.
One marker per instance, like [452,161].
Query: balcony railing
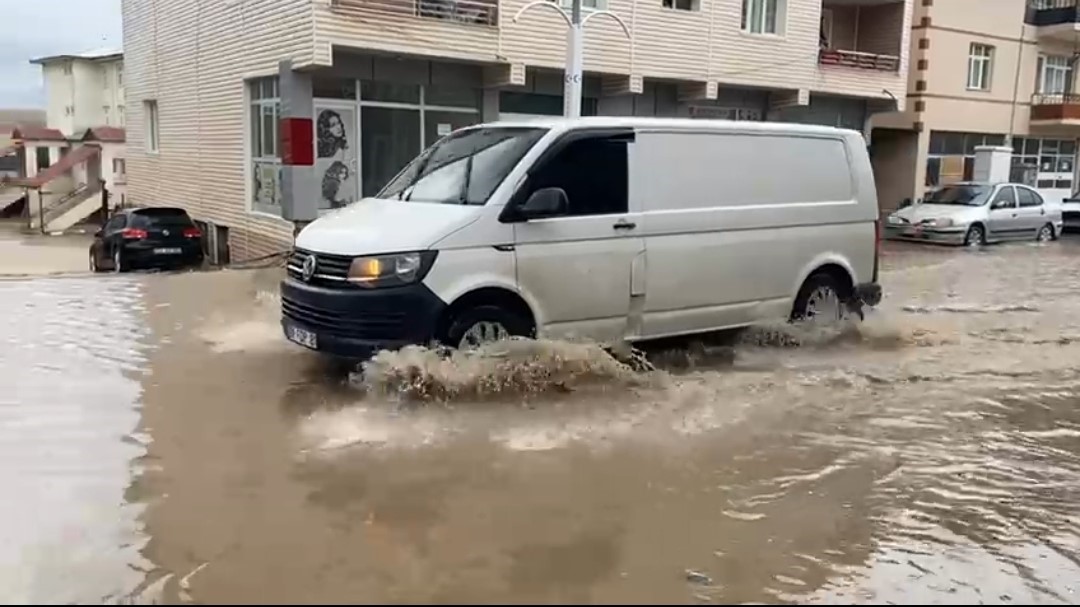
[1052,12]
[859,60]
[1062,106]
[473,12]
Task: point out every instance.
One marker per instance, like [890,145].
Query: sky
[38,28]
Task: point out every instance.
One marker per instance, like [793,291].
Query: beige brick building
[985,71]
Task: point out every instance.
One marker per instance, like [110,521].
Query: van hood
[921,212]
[374,226]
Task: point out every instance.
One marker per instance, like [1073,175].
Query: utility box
[993,163]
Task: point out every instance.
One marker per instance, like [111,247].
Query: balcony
[1054,19]
[1060,109]
[469,12]
[861,36]
[857,60]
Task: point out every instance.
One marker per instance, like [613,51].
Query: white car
[610,229]
[973,213]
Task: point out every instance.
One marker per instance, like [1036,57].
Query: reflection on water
[929,454]
[70,364]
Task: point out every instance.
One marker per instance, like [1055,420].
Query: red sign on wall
[297,141]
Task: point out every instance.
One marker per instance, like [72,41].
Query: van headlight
[390,270]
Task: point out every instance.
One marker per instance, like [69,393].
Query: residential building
[987,72]
[9,120]
[61,167]
[208,83]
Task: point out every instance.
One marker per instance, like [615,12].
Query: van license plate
[302,336]
[167,251]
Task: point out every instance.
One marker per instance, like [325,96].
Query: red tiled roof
[78,155]
[109,134]
[37,133]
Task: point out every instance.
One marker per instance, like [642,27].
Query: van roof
[697,124]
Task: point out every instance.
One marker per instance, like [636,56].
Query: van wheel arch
[504,301]
[832,273]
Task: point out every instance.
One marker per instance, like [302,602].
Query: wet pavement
[161,443]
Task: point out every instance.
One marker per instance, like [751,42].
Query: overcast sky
[36,28]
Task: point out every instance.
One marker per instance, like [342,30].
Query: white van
[602,228]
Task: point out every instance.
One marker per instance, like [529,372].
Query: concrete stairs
[69,210]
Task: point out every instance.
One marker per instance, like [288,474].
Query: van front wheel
[483,324]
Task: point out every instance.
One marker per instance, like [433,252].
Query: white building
[207,88]
[64,166]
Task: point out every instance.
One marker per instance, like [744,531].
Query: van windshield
[967,195]
[465,167]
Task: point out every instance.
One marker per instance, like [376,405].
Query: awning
[74,157]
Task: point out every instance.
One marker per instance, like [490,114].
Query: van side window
[592,171]
[1029,198]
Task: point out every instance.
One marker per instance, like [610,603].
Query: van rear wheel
[483,324]
[821,299]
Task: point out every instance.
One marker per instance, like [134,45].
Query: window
[67,68]
[69,110]
[105,111]
[760,16]
[1054,74]
[682,5]
[119,166]
[120,115]
[116,223]
[1028,198]
[265,110]
[952,155]
[980,67]
[1005,198]
[42,156]
[1043,163]
[153,130]
[592,170]
[120,75]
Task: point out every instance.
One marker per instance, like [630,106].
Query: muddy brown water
[161,443]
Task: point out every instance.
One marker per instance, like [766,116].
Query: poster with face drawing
[335,166]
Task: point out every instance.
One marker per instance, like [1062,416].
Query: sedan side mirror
[545,202]
[1000,204]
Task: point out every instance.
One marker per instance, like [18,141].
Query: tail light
[133,234]
[877,246]
[192,233]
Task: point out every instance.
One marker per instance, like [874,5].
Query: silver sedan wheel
[1046,233]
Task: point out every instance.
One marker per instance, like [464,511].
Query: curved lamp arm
[617,19]
[551,5]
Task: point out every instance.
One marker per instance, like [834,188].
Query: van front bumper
[357,323]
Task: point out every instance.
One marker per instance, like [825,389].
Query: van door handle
[623,224]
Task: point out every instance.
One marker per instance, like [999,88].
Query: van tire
[817,281]
[488,316]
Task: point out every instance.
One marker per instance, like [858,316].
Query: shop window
[452,96]
[264,113]
[333,88]
[390,92]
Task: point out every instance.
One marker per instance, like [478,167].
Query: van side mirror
[545,202]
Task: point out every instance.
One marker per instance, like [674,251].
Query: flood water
[162,443]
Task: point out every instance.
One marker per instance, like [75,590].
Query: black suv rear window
[146,218]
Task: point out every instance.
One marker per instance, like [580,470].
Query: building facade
[84,90]
[381,79]
[1002,74]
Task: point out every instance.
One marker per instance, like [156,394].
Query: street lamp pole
[575,48]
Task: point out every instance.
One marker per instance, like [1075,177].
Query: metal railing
[471,12]
[1052,12]
[1055,99]
[859,60]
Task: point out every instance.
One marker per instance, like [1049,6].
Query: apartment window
[682,5]
[265,111]
[153,129]
[119,166]
[120,115]
[1054,74]
[980,67]
[761,16]
[108,116]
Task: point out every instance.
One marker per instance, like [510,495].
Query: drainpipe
[1016,83]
